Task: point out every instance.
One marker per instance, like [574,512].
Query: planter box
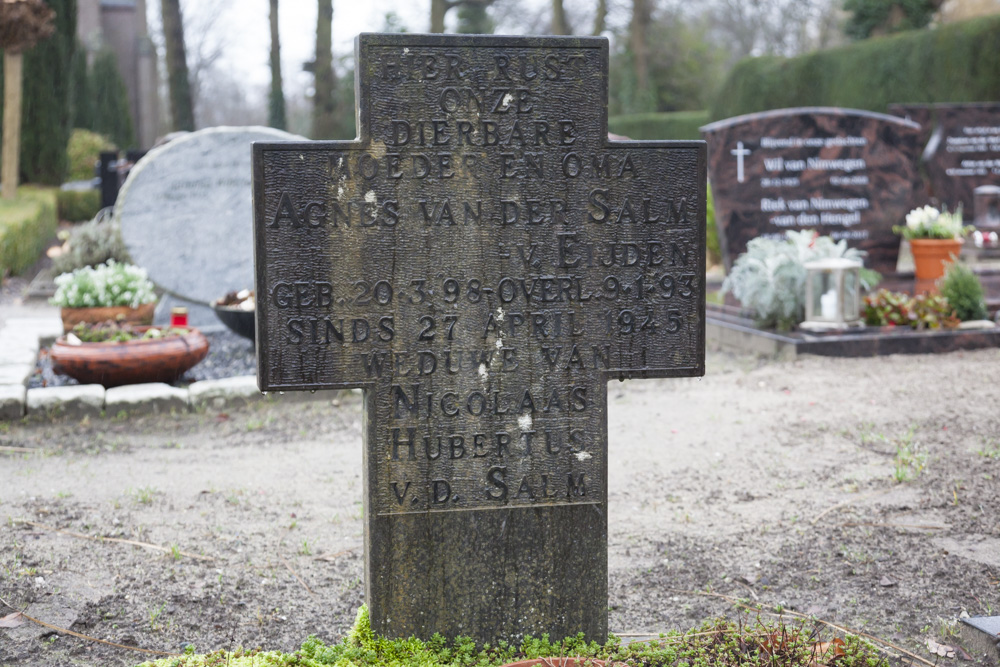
[129,362]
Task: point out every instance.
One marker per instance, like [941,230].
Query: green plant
[83,151]
[109,284]
[924,311]
[119,332]
[909,462]
[769,278]
[27,223]
[747,641]
[92,243]
[990,449]
[928,222]
[112,116]
[78,205]
[961,287]
[956,62]
[668,125]
[144,495]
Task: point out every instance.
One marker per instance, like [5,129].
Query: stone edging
[20,341]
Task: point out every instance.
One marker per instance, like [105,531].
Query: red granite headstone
[845,173]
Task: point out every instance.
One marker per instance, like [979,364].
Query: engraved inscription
[482,263]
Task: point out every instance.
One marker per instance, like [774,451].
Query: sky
[245,30]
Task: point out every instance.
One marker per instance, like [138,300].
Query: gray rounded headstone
[186,211]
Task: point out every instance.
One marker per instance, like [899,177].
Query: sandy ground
[865,492]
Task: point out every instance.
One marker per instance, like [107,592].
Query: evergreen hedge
[672,125]
[26,226]
[958,62]
[78,205]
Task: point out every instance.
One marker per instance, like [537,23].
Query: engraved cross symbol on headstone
[740,153]
[481,261]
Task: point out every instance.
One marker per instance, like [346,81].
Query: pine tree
[111,108]
[46,123]
[81,96]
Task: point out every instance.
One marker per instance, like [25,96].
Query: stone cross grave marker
[481,261]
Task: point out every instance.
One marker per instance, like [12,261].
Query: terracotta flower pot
[129,362]
[931,255]
[73,316]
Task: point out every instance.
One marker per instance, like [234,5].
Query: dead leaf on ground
[942,650]
[825,653]
[12,620]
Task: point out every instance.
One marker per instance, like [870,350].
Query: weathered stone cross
[481,261]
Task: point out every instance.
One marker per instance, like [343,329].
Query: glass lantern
[833,294]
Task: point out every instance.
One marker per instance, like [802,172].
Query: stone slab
[16,373]
[147,398]
[728,331]
[46,329]
[185,211]
[18,353]
[12,400]
[981,636]
[845,173]
[218,394]
[85,400]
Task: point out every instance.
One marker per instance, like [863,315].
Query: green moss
[26,225]
[746,642]
[953,63]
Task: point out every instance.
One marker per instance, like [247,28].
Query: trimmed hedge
[958,62]
[26,226]
[649,126]
[78,205]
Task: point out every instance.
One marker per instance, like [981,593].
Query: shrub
[84,150]
[672,125]
[78,205]
[711,231]
[26,226]
[961,287]
[110,284]
[769,278]
[953,63]
[92,243]
[924,311]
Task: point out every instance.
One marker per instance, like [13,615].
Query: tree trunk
[641,16]
[559,26]
[324,106]
[181,109]
[438,9]
[276,103]
[12,66]
[600,18]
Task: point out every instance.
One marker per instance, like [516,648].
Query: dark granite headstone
[962,149]
[481,261]
[845,173]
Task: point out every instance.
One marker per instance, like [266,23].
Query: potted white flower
[111,291]
[935,237]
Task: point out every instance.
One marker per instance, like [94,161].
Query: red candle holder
[179,316]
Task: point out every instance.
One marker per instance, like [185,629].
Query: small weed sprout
[305,550]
